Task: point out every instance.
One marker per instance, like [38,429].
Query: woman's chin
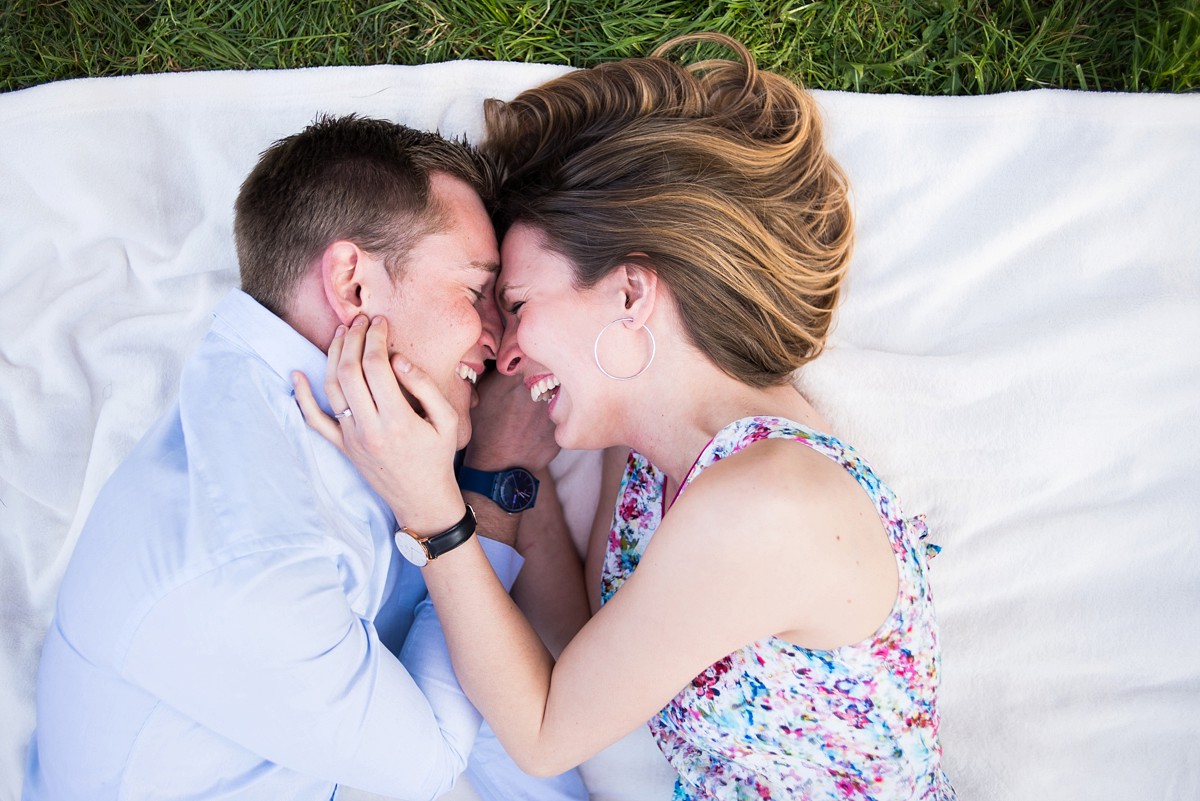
[572,439]
[573,432]
[567,437]
[464,431]
[562,440]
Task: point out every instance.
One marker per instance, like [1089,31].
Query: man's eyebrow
[486,266]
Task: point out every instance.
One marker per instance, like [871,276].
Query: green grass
[913,46]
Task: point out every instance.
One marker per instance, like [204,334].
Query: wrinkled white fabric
[1016,354]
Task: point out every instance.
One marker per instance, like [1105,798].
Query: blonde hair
[713,175]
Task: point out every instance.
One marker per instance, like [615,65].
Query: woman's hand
[407,456]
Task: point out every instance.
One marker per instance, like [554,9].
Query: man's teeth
[544,390]
[466,373]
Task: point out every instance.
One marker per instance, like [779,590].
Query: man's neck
[309,312]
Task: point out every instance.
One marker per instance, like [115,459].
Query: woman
[674,243]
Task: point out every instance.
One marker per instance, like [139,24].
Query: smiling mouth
[467,373]
[544,390]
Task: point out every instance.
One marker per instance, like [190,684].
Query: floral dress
[774,720]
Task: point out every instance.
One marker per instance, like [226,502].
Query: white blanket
[1018,354]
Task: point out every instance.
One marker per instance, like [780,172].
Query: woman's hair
[354,178]
[713,175]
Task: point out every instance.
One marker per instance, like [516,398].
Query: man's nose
[493,328]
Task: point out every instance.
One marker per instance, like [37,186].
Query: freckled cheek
[468,322]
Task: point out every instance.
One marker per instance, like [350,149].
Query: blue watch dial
[516,489]
[513,490]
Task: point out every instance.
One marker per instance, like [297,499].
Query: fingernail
[377,321]
[403,365]
[360,320]
[341,331]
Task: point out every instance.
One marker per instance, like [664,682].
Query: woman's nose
[509,355]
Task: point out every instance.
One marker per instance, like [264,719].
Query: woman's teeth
[544,390]
[466,373]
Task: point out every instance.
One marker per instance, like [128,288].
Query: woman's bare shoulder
[775,477]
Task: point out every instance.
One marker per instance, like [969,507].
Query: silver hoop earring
[596,350]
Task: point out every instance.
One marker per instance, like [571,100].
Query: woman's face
[550,329]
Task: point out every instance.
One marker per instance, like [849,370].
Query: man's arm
[491,771]
[550,588]
[510,430]
[612,469]
[266,652]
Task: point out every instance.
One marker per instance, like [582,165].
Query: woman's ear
[345,279]
[640,288]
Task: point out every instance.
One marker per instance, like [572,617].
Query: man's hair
[363,180]
[713,175]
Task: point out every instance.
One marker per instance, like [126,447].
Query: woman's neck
[681,416]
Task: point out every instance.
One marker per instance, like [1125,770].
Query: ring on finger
[342,415]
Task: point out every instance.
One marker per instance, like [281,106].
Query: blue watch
[513,490]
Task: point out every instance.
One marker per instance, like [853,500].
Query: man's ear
[345,278]
[639,285]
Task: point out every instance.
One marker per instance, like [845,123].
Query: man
[235,622]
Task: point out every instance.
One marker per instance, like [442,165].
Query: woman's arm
[698,594]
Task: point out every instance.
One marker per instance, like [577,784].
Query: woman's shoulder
[775,487]
[772,470]
[792,528]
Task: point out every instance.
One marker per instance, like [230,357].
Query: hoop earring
[596,350]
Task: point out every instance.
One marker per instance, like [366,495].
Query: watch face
[410,549]
[517,490]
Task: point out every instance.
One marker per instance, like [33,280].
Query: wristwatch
[513,490]
[420,550]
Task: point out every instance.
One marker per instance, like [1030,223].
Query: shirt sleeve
[427,658]
[494,776]
[266,651]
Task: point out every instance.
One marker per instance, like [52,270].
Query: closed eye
[515,306]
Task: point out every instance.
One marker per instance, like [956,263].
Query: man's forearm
[549,589]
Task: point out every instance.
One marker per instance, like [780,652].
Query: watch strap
[480,481]
[446,541]
[492,485]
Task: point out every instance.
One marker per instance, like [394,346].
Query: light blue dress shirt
[227,624]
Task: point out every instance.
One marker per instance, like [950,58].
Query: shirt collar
[282,347]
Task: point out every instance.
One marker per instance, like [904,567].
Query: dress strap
[748,430]
[918,535]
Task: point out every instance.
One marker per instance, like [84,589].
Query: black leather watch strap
[451,538]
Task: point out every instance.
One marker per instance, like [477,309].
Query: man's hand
[507,428]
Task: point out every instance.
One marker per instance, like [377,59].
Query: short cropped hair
[353,178]
[714,175]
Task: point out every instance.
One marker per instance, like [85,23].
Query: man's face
[441,312]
